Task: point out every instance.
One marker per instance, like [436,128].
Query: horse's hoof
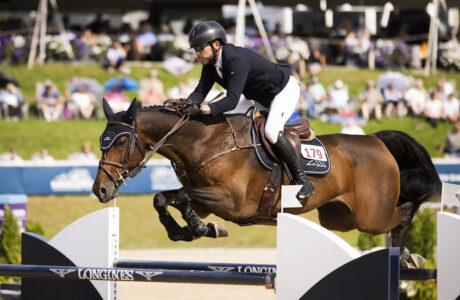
[416,260]
[217,230]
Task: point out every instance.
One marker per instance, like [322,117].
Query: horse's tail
[419,180]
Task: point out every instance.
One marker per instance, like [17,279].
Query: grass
[140,227]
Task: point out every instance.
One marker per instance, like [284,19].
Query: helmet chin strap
[214,52]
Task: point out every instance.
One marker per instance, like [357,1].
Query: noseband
[124,173]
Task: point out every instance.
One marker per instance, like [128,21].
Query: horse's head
[122,152]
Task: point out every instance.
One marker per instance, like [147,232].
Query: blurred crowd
[86,155]
[390,95]
[82,97]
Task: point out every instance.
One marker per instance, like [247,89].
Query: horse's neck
[188,144]
[154,125]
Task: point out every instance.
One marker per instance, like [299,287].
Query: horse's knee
[160,201]
[182,200]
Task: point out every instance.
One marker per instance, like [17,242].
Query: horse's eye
[121,142]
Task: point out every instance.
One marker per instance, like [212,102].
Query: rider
[242,71]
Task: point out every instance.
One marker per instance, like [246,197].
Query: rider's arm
[204,86]
[236,74]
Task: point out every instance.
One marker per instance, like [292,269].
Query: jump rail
[203,266]
[405,274]
[132,274]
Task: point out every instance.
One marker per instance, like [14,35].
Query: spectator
[338,98]
[115,58]
[12,102]
[297,65]
[85,155]
[42,156]
[144,42]
[12,156]
[318,93]
[151,90]
[50,102]
[84,101]
[305,106]
[450,108]
[447,87]
[181,90]
[451,144]
[316,62]
[393,102]
[117,99]
[371,101]
[416,97]
[351,127]
[433,109]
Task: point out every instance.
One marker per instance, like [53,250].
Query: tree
[10,241]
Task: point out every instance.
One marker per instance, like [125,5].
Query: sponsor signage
[78,179]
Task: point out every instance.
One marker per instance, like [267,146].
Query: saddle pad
[314,157]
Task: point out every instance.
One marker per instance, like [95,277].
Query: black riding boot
[290,157]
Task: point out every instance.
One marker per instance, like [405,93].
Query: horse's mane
[208,120]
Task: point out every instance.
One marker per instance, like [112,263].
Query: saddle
[301,136]
[295,132]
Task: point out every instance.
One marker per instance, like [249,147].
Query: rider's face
[204,53]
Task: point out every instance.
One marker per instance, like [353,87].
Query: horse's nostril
[103,192]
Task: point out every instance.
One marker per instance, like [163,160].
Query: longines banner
[66,178]
[63,177]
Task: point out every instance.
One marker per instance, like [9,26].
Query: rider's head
[206,38]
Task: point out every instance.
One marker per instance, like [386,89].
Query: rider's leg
[281,109]
[290,157]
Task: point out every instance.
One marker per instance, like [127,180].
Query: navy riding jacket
[244,72]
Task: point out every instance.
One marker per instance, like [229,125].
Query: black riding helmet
[206,32]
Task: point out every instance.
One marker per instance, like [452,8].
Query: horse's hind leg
[194,222]
[398,236]
[175,232]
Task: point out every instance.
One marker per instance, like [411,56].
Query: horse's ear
[131,113]
[107,109]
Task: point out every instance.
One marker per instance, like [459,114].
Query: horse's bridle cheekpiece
[113,131]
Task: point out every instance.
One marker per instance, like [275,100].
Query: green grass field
[140,227]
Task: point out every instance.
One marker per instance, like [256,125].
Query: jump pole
[130,274]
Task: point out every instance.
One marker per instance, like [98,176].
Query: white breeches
[281,109]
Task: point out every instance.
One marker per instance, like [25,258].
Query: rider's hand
[192,110]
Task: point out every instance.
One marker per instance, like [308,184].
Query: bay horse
[376,182]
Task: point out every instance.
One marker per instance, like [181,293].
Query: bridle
[134,141]
[121,170]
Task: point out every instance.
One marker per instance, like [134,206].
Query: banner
[63,177]
[78,179]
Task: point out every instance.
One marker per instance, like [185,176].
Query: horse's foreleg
[175,232]
[199,229]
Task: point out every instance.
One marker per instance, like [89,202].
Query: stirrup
[310,191]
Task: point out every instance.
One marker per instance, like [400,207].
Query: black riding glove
[192,110]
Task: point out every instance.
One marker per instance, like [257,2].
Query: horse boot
[290,157]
